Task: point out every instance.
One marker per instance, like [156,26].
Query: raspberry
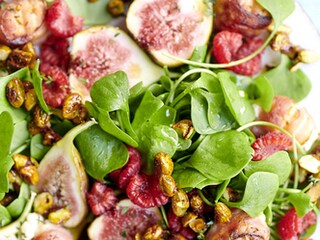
[123,176]
[60,21]
[174,222]
[56,87]
[54,51]
[144,191]
[101,198]
[270,143]
[290,226]
[229,46]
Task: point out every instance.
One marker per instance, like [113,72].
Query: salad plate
[106,136]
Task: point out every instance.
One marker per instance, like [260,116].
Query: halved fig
[124,222]
[22,21]
[243,16]
[51,231]
[62,174]
[172,27]
[102,50]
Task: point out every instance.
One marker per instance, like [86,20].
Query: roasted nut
[196,202]
[281,43]
[30,49]
[19,59]
[308,56]
[180,202]
[50,137]
[30,100]
[4,52]
[188,218]
[72,106]
[153,233]
[281,29]
[43,202]
[20,161]
[41,118]
[33,129]
[15,92]
[15,180]
[311,163]
[164,163]
[184,128]
[60,216]
[8,198]
[30,174]
[137,236]
[115,7]
[222,213]
[198,225]
[81,118]
[92,1]
[167,185]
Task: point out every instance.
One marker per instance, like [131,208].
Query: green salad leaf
[101,152]
[260,191]
[6,133]
[295,85]
[222,155]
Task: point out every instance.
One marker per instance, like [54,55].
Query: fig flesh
[124,222]
[102,50]
[62,174]
[174,27]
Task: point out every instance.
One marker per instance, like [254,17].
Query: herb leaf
[222,155]
[260,191]
[295,85]
[101,152]
[6,133]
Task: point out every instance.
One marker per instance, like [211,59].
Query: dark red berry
[144,191]
[290,226]
[270,143]
[188,233]
[230,46]
[174,222]
[101,198]
[123,176]
[225,46]
[61,22]
[55,86]
[54,51]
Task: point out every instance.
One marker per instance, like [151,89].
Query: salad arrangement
[100,142]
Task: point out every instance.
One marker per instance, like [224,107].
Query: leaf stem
[269,124]
[206,200]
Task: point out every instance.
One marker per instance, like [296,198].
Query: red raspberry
[270,143]
[174,222]
[123,176]
[61,22]
[229,46]
[101,198]
[290,226]
[54,51]
[144,191]
[56,86]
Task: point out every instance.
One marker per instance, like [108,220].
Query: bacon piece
[22,21]
[240,226]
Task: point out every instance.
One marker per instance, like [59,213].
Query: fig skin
[61,173]
[116,222]
[22,21]
[174,27]
[243,16]
[102,50]
[51,231]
